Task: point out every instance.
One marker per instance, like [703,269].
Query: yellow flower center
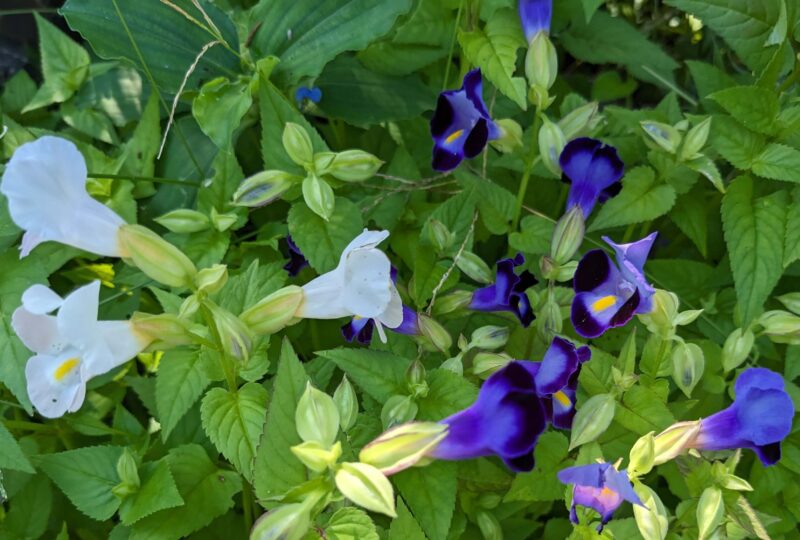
[603,303]
[454,136]
[562,398]
[65,368]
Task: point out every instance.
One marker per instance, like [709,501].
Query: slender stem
[452,45]
[533,158]
[156,179]
[27,11]
[247,504]
[457,256]
[27,426]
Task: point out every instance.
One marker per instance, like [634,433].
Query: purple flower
[507,293]
[593,170]
[599,486]
[312,94]
[608,295]
[361,329]
[759,418]
[535,16]
[506,421]
[461,125]
[297,261]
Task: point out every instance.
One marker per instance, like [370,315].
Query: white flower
[71,347]
[360,286]
[45,183]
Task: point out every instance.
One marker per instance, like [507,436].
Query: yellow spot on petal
[65,368]
[604,303]
[606,492]
[562,398]
[454,136]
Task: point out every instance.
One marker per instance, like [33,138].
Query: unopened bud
[510,136]
[551,320]
[212,279]
[263,188]
[316,417]
[452,302]
[579,121]
[415,374]
[674,440]
[367,487]
[710,511]
[164,329]
[660,320]
[319,196]
[439,235]
[474,267]
[737,348]
[487,522]
[128,473]
[435,332]
[489,337]
[347,402]
[287,522]
[791,301]
[651,516]
[402,446]
[156,257]
[298,144]
[223,222]
[454,365]
[642,455]
[274,312]
[353,166]
[688,364]
[567,235]
[317,457]
[541,62]
[781,326]
[183,221]
[664,135]
[237,341]
[484,364]
[551,144]
[695,140]
[398,410]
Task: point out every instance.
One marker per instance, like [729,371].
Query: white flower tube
[360,286]
[71,347]
[45,183]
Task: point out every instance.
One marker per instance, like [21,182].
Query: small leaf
[755,107]
[157,492]
[640,200]
[322,242]
[430,493]
[179,383]
[379,374]
[592,419]
[351,524]
[11,455]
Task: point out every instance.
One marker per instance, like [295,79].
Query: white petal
[100,359]
[367,239]
[77,318]
[381,332]
[367,283]
[40,299]
[322,297]
[121,342]
[29,241]
[39,333]
[55,383]
[392,317]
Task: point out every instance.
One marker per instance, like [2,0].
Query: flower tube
[535,17]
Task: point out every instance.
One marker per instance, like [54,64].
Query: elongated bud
[660,320]
[781,326]
[567,235]
[317,457]
[274,312]
[156,257]
[652,519]
[398,410]
[319,196]
[353,166]
[592,419]
[579,121]
[415,374]
[439,235]
[474,267]
[287,522]
[488,524]
[263,188]
[642,455]
[484,364]
[452,302]
[688,364]
[664,135]
[541,62]
[164,329]
[316,417]
[128,473]
[791,301]
[347,403]
[435,332]
[402,446]
[737,348]
[212,279]
[236,337]
[298,144]
[551,319]
[551,144]
[489,337]
[710,511]
[674,440]
[510,136]
[367,487]
[184,221]
[695,140]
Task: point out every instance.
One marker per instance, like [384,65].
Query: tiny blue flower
[313,94]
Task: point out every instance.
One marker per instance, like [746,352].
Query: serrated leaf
[495,203]
[533,237]
[250,285]
[322,242]
[430,493]
[157,492]
[180,381]
[379,374]
[541,484]
[219,108]
[754,233]
[404,526]
[755,107]
[448,393]
[351,523]
[642,411]
[234,422]
[691,217]
[779,162]
[791,251]
[734,142]
[28,511]
[11,455]
[640,200]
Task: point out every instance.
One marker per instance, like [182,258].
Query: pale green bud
[695,140]
[274,312]
[319,196]
[592,419]
[791,301]
[156,257]
[541,62]
[189,307]
[539,96]
[298,144]
[435,332]
[398,410]
[675,440]
[183,221]
[316,457]
[323,161]
[454,364]
[223,222]
[489,526]
[710,511]
[687,317]
[439,235]
[551,321]
[165,329]
[127,468]
[263,188]
[489,337]
[688,364]
[579,121]
[415,374]
[781,326]
[652,519]
[367,487]
[353,166]
[347,403]
[316,417]
[664,135]
[212,279]
[287,522]
[660,320]
[733,482]
[551,144]
[403,446]
[484,364]
[567,235]
[236,337]
[452,302]
[510,136]
[474,267]
[642,455]
[737,348]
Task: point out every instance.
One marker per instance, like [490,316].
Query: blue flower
[608,295]
[312,94]
[759,418]
[535,16]
[505,421]
[593,170]
[599,486]
[507,293]
[361,329]
[461,125]
[297,261]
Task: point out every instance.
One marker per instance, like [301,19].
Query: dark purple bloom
[506,421]
[507,293]
[312,94]
[461,125]
[361,329]
[759,418]
[535,16]
[599,486]
[593,170]
[297,261]
[608,295]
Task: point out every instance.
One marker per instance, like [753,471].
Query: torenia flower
[593,170]
[297,261]
[360,329]
[599,486]
[45,183]
[608,295]
[71,347]
[360,286]
[507,293]
[535,16]
[461,125]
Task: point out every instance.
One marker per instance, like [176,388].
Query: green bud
[347,403]
[733,482]
[642,455]
[317,457]
[687,317]
[737,348]
[551,321]
[474,267]
[452,302]
[791,301]
[454,364]
[319,196]
[398,410]
[415,374]
[189,307]
[652,519]
[541,62]
[263,188]
[287,522]
[540,97]
[316,417]
[367,487]
[165,329]
[402,446]
[489,337]
[484,364]
[275,311]
[674,441]
[183,221]
[156,257]
[439,235]
[710,511]
[592,419]
[323,162]
[688,364]
[211,280]
[127,468]
[223,222]
[237,340]
[664,135]
[435,332]
[660,320]
[510,136]
[567,235]
[579,121]
[551,144]
[298,144]
[489,526]
[781,326]
[354,166]
[695,140]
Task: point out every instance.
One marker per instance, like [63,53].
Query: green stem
[27,11]
[247,504]
[27,426]
[533,159]
[224,361]
[156,179]
[452,45]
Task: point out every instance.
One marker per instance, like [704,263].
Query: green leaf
[307,34]
[755,107]
[251,285]
[276,468]
[448,393]
[642,411]
[534,236]
[11,455]
[322,242]
[691,217]
[735,143]
[791,250]
[379,374]
[157,492]
[351,523]
[28,511]
[779,162]
[754,233]
[495,204]
[141,149]
[86,476]
[430,493]
[640,200]
[219,109]
[180,381]
[541,484]
[405,527]
[234,422]
[708,78]
[592,419]
[494,50]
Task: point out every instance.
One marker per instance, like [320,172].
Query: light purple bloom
[507,293]
[599,486]
[608,295]
[593,170]
[461,125]
[535,16]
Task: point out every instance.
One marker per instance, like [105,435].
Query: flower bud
[452,302]
[211,280]
[551,320]
[651,518]
[287,522]
[737,348]
[367,487]
[541,62]
[660,320]
[415,374]
[402,446]
[781,326]
[156,257]
[183,221]
[688,364]
[316,417]
[223,222]
[579,121]
[551,144]
[488,524]
[489,337]
[189,307]
[474,267]
[439,235]
[791,301]
[664,135]
[567,235]
[435,332]
[323,161]
[695,140]
[318,195]
[127,469]
[674,440]
[710,511]
[642,455]
[263,188]
[454,364]
[237,341]
[485,364]
[398,410]
[510,136]
[163,329]
[316,457]
[353,166]
[274,312]
[298,144]
[347,403]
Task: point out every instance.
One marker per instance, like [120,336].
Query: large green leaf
[219,108]
[430,493]
[405,527]
[641,199]
[448,393]
[735,143]
[541,483]
[322,242]
[350,523]
[179,383]
[11,455]
[251,285]
[379,374]
[755,107]
[779,162]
